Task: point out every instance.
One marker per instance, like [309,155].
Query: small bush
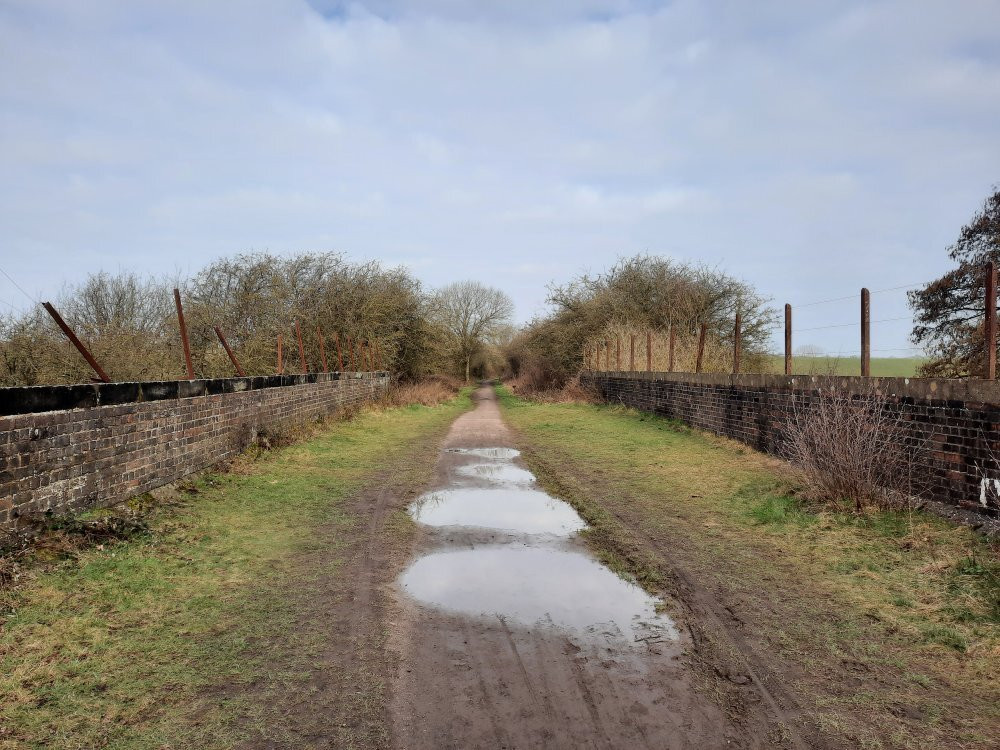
[853,448]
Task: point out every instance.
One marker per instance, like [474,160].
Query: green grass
[886,367]
[138,644]
[900,594]
[776,509]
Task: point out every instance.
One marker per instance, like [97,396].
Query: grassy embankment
[882,367]
[886,627]
[155,641]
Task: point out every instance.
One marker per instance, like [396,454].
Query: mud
[511,635]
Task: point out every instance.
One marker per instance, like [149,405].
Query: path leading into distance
[513,635]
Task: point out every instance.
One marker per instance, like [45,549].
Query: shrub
[853,447]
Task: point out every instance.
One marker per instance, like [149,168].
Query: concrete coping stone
[46,398]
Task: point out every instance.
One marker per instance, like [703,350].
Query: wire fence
[862,322]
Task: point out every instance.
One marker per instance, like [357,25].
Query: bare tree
[473,314]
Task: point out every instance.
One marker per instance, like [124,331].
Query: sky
[809,148]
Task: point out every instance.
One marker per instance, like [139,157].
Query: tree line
[465,329]
[130,325]
[637,295]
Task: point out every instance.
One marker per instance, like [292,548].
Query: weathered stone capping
[75,447]
[958,420]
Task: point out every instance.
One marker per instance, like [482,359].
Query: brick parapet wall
[119,440]
[958,420]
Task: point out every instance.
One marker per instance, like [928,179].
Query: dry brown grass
[573,391]
[430,391]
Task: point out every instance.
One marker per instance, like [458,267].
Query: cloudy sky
[810,148]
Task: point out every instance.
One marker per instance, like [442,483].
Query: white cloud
[809,147]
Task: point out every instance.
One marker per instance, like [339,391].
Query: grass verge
[148,642]
[885,627]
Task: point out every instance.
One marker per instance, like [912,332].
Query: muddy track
[394,672]
[470,682]
[748,684]
[343,702]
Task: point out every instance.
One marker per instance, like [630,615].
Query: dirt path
[490,681]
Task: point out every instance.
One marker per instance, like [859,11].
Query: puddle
[505,454]
[498,472]
[508,509]
[544,579]
[535,586]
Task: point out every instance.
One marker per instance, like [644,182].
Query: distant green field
[890,367]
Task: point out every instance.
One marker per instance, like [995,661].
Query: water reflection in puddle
[504,454]
[537,585]
[520,510]
[546,578]
[497,472]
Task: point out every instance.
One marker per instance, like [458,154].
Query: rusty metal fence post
[184,334]
[866,343]
[788,339]
[670,350]
[736,346]
[84,351]
[701,347]
[322,348]
[281,358]
[302,351]
[631,353]
[990,370]
[340,358]
[232,357]
[649,351]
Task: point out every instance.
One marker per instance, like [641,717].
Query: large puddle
[535,585]
[526,511]
[545,578]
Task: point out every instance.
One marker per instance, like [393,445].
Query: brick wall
[80,446]
[959,420]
